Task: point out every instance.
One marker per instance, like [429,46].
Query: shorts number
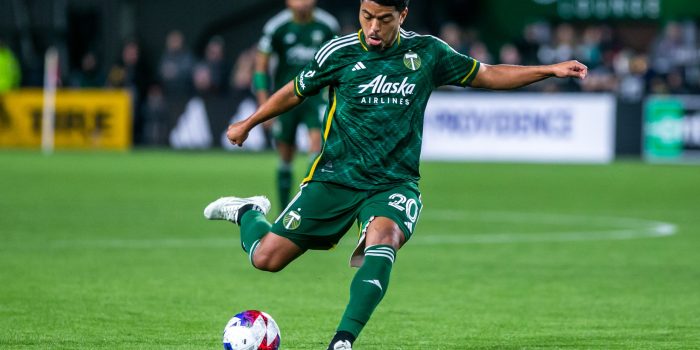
[410,206]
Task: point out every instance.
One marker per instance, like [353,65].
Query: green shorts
[321,212]
[310,112]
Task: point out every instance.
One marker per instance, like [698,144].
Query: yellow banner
[95,119]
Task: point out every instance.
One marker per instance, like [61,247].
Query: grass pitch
[111,251]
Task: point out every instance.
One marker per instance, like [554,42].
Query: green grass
[110,250]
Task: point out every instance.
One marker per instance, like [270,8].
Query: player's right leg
[284,131]
[284,171]
[266,250]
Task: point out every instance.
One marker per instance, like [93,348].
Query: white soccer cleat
[226,208]
[342,345]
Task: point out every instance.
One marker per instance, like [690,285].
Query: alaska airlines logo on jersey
[379,85]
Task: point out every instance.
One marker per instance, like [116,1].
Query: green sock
[368,288]
[254,226]
[284,184]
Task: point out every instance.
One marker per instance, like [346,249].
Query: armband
[260,81]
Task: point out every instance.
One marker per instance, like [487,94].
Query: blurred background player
[293,36]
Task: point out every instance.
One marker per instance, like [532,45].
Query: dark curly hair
[399,5]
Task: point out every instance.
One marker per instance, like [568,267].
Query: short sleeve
[453,68]
[310,80]
[266,44]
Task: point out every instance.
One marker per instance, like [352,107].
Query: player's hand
[570,69]
[237,133]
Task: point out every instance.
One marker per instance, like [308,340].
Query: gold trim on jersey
[359,36]
[470,73]
[296,87]
[327,130]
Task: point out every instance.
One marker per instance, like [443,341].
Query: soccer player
[294,36]
[380,80]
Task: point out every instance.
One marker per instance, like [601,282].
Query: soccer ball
[251,330]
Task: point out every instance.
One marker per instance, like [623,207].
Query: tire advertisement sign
[84,119]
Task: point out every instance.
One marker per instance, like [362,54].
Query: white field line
[610,228]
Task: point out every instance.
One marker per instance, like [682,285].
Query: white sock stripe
[375,253]
[388,249]
[372,247]
[327,55]
[391,258]
[322,51]
[380,252]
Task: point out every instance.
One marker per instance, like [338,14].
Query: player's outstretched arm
[281,101]
[502,77]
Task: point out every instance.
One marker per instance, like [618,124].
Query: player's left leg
[388,220]
[383,238]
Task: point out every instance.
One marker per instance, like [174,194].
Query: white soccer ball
[251,330]
[239,338]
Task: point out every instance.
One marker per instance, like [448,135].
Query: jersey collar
[367,47]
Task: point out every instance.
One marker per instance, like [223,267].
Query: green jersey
[295,43]
[373,127]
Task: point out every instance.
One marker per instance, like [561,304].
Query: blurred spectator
[10,73]
[562,48]
[155,118]
[480,52]
[602,77]
[671,83]
[675,48]
[534,35]
[451,33]
[633,69]
[202,80]
[509,54]
[588,51]
[242,73]
[217,64]
[89,75]
[129,72]
[175,68]
[676,83]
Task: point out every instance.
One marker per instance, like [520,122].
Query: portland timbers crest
[292,220]
[411,60]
